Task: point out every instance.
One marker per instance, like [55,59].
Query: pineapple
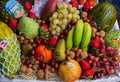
[2,2]
[9,52]
[4,16]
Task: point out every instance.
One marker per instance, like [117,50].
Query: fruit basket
[59,41]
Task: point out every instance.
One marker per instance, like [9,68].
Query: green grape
[64,14]
[50,19]
[64,21]
[58,33]
[78,17]
[69,16]
[56,21]
[53,32]
[74,16]
[60,15]
[63,27]
[53,26]
[59,5]
[58,29]
[64,5]
[77,12]
[54,16]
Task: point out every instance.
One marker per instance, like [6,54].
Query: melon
[105,15]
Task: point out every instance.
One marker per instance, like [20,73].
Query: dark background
[32,1]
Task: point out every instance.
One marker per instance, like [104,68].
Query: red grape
[92,57]
[104,59]
[109,49]
[96,59]
[98,64]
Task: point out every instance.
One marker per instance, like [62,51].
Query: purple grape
[38,42]
[42,65]
[44,41]
[69,26]
[27,62]
[98,75]
[52,63]
[73,22]
[61,36]
[102,50]
[33,53]
[65,32]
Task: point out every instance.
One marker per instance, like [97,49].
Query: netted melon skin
[10,57]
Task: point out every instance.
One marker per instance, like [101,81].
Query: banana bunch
[79,36]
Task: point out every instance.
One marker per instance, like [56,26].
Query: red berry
[27,6]
[85,65]
[89,72]
[12,23]
[95,43]
[45,26]
[31,14]
[74,3]
[52,41]
[86,6]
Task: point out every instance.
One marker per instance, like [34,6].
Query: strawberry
[85,65]
[95,43]
[12,23]
[74,3]
[89,73]
[31,14]
[45,26]
[86,6]
[27,6]
[52,41]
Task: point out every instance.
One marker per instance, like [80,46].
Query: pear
[59,52]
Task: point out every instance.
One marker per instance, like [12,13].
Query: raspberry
[52,41]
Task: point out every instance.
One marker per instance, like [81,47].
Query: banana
[77,35]
[86,36]
[69,39]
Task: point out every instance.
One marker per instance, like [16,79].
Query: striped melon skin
[105,15]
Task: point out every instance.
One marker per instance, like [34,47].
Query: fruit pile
[64,43]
